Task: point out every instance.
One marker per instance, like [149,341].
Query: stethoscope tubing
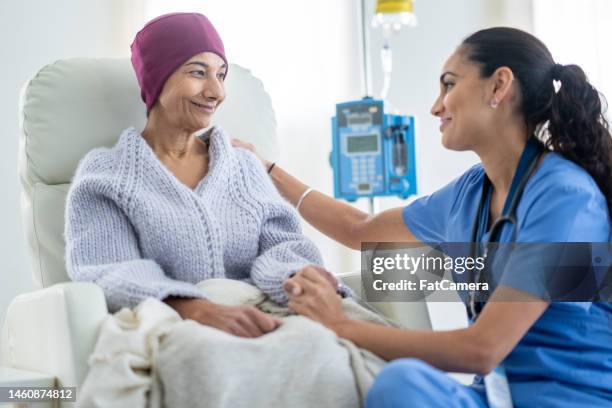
[508,216]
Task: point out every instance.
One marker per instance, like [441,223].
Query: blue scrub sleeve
[428,217]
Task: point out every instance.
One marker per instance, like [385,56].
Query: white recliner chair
[67,109]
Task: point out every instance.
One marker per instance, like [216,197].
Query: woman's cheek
[445,101]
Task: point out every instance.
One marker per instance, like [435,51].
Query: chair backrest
[75,105]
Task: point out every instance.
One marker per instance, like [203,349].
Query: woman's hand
[243,321]
[251,147]
[291,286]
[311,294]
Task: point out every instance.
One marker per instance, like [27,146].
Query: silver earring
[494,104]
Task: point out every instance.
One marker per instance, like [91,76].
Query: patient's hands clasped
[243,321]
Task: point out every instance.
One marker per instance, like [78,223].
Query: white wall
[579,35]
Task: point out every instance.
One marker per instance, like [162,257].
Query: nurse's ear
[501,82]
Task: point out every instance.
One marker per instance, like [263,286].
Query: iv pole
[366,75]
[366,78]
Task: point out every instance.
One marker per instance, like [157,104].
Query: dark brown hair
[570,121]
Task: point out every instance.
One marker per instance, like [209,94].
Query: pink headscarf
[165,43]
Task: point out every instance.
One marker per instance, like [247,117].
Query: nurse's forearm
[505,319]
[334,218]
[453,350]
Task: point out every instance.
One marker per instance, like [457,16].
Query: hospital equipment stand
[366,79]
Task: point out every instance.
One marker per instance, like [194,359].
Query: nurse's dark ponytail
[558,102]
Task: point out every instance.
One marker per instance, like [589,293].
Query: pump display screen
[362,143]
[359,119]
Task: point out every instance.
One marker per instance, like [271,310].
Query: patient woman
[165,208]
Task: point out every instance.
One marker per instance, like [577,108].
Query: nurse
[528,118]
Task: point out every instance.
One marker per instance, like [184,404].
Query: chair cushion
[72,106]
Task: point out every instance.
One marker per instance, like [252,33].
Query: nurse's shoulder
[562,202]
[561,175]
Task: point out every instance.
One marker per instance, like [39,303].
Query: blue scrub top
[567,354]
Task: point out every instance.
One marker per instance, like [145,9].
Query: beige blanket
[151,357]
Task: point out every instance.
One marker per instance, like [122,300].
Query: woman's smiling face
[194,91]
[463,104]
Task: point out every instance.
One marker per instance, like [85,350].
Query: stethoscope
[526,167]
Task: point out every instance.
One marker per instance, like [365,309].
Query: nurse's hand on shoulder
[251,147]
[312,294]
[243,321]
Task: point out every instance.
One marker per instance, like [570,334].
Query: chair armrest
[410,315]
[11,377]
[53,330]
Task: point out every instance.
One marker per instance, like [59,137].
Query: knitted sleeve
[283,249]
[102,247]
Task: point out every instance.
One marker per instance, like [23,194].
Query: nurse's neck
[501,156]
